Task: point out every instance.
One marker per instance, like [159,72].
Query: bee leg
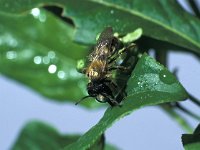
[119,67]
[112,59]
[132,45]
[111,82]
[115,56]
[120,96]
[120,52]
[114,84]
[113,102]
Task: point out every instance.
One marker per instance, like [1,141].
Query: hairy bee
[101,64]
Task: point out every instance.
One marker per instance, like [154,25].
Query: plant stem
[161,56]
[179,119]
[194,100]
[188,112]
[194,7]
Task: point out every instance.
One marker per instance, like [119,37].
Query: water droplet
[12,42]
[51,54]
[112,11]
[35,12]
[46,60]
[166,77]
[37,60]
[52,68]
[42,17]
[62,75]
[11,55]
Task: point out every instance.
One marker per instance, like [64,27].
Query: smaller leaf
[192,141]
[40,136]
[110,147]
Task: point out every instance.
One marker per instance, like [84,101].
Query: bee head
[100,91]
[94,88]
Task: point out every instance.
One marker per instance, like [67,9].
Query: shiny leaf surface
[150,84]
[40,136]
[163,20]
[37,50]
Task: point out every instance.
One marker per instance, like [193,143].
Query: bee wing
[104,43]
[105,38]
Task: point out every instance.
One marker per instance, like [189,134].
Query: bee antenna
[82,99]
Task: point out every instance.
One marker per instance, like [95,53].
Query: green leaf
[150,84]
[163,20]
[39,136]
[110,147]
[38,51]
[192,141]
[151,79]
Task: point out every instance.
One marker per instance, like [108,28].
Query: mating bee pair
[109,67]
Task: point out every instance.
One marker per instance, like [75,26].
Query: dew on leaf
[62,75]
[52,69]
[51,54]
[46,60]
[11,55]
[112,11]
[37,60]
[35,12]
[38,14]
[166,77]
[42,17]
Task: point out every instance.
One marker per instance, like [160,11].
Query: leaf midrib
[149,19]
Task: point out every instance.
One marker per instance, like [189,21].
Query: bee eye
[92,92]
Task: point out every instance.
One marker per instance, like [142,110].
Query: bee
[101,64]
